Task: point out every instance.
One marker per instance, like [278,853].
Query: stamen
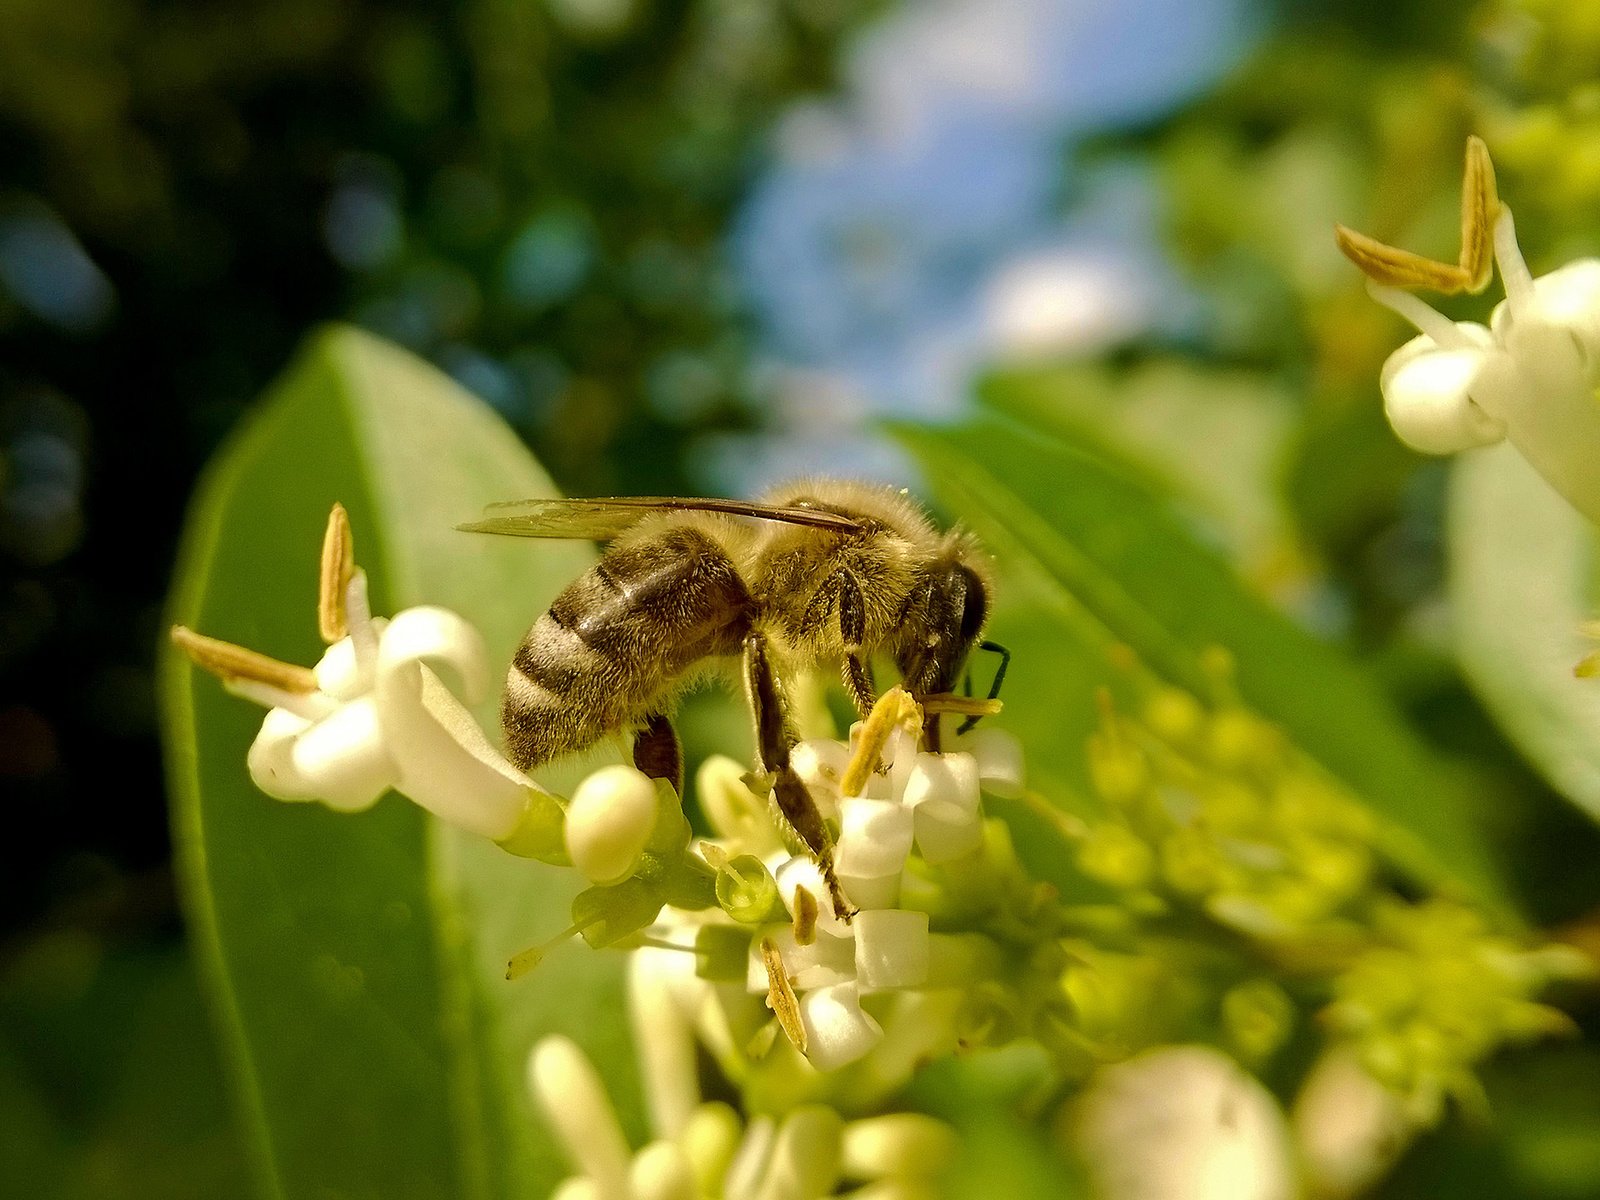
[966,706]
[780,995]
[1446,334]
[229,662]
[520,964]
[894,708]
[656,943]
[333,580]
[805,917]
[1514,273]
[358,618]
[1480,207]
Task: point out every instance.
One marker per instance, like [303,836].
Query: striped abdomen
[617,640]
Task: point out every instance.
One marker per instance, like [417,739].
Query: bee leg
[774,740]
[852,631]
[657,753]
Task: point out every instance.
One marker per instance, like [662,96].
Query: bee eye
[975,606]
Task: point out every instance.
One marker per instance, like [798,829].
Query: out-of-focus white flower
[1348,1127]
[703,1149]
[374,714]
[1529,377]
[1183,1123]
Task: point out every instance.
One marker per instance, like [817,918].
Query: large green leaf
[357,961]
[1522,573]
[1089,561]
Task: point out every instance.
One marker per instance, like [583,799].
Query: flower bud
[609,822]
[661,1171]
[898,1144]
[711,1139]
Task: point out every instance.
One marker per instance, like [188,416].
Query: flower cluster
[1212,807]
[1435,993]
[1232,861]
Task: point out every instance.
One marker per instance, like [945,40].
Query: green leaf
[1089,561]
[357,961]
[1522,575]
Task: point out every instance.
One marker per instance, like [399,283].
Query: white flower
[1530,376]
[374,714]
[1184,1123]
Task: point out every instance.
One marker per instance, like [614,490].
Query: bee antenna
[994,688]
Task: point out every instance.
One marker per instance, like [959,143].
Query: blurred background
[695,246]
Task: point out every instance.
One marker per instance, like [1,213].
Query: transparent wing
[602,518]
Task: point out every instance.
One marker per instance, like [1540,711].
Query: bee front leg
[853,631]
[657,753]
[774,740]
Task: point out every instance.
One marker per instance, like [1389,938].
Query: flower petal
[1427,400]
[340,673]
[838,1032]
[439,638]
[874,838]
[891,948]
[1000,764]
[446,764]
[344,757]
[271,761]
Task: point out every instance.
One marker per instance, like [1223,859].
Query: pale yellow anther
[780,995]
[895,708]
[229,662]
[961,706]
[1480,208]
[805,917]
[1588,666]
[338,565]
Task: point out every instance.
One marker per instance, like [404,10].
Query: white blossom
[374,714]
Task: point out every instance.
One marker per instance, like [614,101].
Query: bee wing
[602,518]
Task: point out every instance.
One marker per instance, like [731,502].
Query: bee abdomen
[617,639]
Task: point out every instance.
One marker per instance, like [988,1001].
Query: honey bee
[820,574]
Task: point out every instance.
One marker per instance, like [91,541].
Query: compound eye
[974,608]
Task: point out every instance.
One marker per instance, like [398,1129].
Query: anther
[333,580]
[1391,266]
[231,663]
[780,995]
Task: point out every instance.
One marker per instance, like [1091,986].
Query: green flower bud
[1116,856]
[1258,1017]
